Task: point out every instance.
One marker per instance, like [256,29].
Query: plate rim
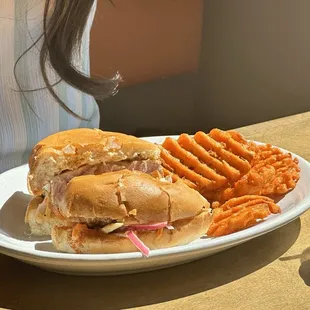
[212,244]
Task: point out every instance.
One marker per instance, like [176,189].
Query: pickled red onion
[138,243]
[147,226]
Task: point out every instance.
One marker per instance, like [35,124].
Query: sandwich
[127,211]
[105,192]
[55,160]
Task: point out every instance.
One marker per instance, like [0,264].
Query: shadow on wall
[255,61]
[166,106]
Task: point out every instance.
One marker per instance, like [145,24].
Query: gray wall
[255,61]
[254,66]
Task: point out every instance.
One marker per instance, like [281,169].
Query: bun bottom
[91,241]
[40,217]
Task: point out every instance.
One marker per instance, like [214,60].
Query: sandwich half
[126,211]
[82,151]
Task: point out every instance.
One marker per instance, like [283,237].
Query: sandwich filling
[146,166]
[79,230]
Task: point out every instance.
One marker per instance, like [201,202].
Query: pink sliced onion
[147,226]
[138,243]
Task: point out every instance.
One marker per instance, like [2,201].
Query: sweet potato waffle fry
[240,213]
[286,169]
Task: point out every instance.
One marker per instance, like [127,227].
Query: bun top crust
[131,197]
[71,149]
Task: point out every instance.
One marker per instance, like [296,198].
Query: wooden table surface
[269,272]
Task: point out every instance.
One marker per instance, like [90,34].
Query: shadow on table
[304,269]
[27,287]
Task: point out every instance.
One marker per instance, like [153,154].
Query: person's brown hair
[64,22]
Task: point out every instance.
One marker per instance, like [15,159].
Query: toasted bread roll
[129,196]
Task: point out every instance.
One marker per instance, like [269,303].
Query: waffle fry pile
[235,175]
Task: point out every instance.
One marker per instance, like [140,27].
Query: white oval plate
[16,242]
